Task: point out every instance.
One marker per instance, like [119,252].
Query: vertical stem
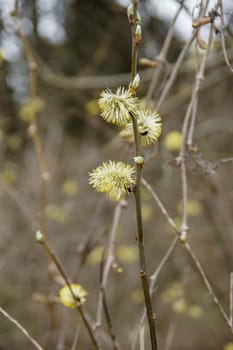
[33,127]
[137,194]
[231,300]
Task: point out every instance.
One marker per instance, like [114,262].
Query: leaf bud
[39,236]
[138,34]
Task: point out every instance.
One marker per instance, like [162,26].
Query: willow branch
[153,281]
[223,39]
[175,71]
[107,268]
[21,328]
[163,55]
[63,274]
[201,273]
[33,127]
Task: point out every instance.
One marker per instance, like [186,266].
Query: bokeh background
[81,47]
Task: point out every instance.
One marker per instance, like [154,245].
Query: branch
[21,328]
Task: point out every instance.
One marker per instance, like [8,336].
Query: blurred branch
[175,71]
[101,81]
[33,127]
[203,276]
[75,341]
[207,283]
[195,94]
[89,82]
[153,281]
[163,55]
[231,300]
[223,38]
[170,334]
[42,240]
[187,134]
[142,339]
[107,267]
[19,202]
[161,206]
[21,328]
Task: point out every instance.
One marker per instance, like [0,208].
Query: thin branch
[226,160]
[19,202]
[161,58]
[160,204]
[223,39]
[175,71]
[107,267]
[137,195]
[142,339]
[21,328]
[33,127]
[75,341]
[204,277]
[170,334]
[42,240]
[231,299]
[153,281]
[109,322]
[195,93]
[207,283]
[166,257]
[185,129]
[184,225]
[109,261]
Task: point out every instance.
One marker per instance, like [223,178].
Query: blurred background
[82,47]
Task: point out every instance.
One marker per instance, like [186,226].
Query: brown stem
[137,195]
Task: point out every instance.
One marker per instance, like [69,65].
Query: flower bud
[138,34]
[130,12]
[135,82]
[139,160]
[39,236]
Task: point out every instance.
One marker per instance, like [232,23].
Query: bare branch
[21,328]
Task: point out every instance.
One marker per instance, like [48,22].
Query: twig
[75,341]
[42,240]
[207,283]
[33,127]
[153,280]
[185,129]
[162,56]
[137,195]
[195,93]
[231,299]
[19,202]
[107,267]
[160,204]
[175,71]
[225,160]
[109,261]
[204,277]
[21,328]
[166,257]
[142,339]
[109,322]
[184,225]
[223,39]
[170,334]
